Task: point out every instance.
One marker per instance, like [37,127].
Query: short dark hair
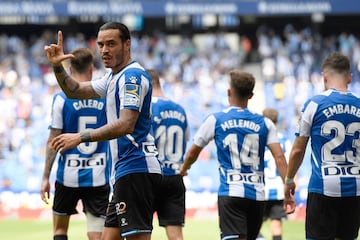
[84,58]
[336,62]
[123,29]
[242,83]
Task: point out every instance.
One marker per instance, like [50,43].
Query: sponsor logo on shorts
[123,222]
[120,208]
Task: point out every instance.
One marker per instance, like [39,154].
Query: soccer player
[83,171]
[274,188]
[240,136]
[171,132]
[331,120]
[127,88]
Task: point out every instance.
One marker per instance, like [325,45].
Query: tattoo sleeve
[50,154]
[67,84]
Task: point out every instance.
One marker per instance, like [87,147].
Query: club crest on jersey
[132,95]
[133,79]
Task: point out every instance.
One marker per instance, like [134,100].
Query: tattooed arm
[122,126]
[71,87]
[50,158]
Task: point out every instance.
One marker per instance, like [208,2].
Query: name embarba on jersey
[171,132]
[332,120]
[130,89]
[240,137]
[85,165]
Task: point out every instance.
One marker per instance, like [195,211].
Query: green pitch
[194,229]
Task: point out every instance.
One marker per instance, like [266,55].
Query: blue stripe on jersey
[347,186]
[250,192]
[117,99]
[86,174]
[273,194]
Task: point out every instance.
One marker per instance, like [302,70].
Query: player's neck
[82,77]
[239,103]
[157,93]
[338,88]
[118,68]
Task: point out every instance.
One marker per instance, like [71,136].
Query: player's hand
[55,52]
[45,191]
[65,141]
[289,200]
[183,171]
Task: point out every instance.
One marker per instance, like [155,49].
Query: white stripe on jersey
[132,140]
[56,114]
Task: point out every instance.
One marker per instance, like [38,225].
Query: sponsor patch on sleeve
[132,95]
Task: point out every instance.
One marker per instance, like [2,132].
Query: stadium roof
[159,8]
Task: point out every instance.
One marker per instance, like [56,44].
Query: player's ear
[251,95]
[127,43]
[91,68]
[324,76]
[349,78]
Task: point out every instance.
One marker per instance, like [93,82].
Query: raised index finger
[60,39]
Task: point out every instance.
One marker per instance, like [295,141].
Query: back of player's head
[154,77]
[242,83]
[271,113]
[123,29]
[84,59]
[336,62]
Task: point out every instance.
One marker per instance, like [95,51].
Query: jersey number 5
[90,147]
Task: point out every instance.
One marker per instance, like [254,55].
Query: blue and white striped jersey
[332,121]
[274,187]
[87,164]
[240,137]
[131,88]
[171,132]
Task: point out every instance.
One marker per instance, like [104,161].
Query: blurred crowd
[193,74]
